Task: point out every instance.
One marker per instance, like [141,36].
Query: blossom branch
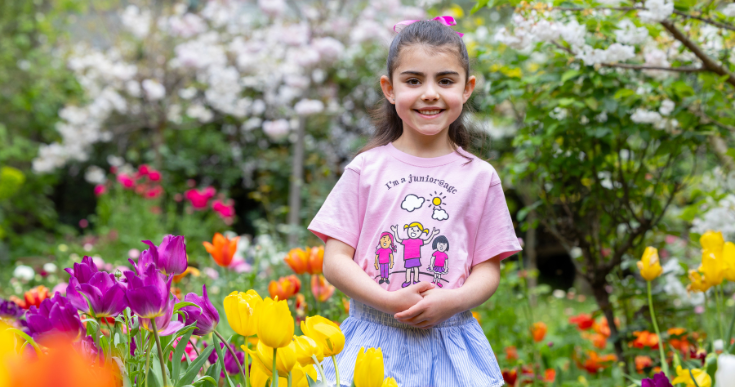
[644,67]
[708,62]
[577,9]
[708,21]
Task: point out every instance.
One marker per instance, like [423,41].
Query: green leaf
[200,380]
[182,304]
[623,93]
[178,352]
[591,102]
[314,383]
[195,366]
[214,372]
[11,180]
[569,75]
[480,5]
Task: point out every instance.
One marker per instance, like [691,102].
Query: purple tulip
[106,296]
[169,256]
[205,315]
[83,271]
[56,314]
[230,364]
[164,325]
[148,293]
[10,310]
[659,380]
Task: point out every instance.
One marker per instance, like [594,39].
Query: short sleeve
[496,236]
[338,217]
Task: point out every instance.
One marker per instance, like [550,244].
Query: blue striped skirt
[454,353]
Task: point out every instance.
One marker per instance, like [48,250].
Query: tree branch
[708,21]
[709,120]
[643,67]
[707,62]
[599,8]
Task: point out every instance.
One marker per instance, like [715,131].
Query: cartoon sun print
[437,200]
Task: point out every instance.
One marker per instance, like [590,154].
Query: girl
[384,256]
[416,157]
[417,237]
[439,259]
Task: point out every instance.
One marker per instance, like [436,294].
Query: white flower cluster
[657,119]
[628,33]
[729,10]
[720,217]
[656,11]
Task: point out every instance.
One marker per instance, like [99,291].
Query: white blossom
[656,58]
[667,106]
[307,107]
[643,116]
[559,113]
[199,112]
[656,10]
[154,91]
[729,10]
[602,117]
[95,175]
[276,129]
[615,53]
[329,49]
[188,93]
[24,273]
[573,33]
[273,8]
[136,21]
[628,33]
[720,217]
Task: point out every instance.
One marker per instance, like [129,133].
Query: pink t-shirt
[439,258]
[386,190]
[384,255]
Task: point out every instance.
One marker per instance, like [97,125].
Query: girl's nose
[430,92]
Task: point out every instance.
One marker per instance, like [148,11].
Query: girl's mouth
[429,114]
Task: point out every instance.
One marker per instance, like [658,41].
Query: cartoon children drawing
[417,237]
[384,256]
[439,259]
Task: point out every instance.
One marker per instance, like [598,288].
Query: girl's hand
[403,299]
[435,307]
[376,267]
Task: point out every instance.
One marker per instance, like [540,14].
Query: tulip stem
[720,297]
[234,356]
[336,369]
[160,352]
[289,379]
[148,358]
[274,369]
[319,367]
[194,346]
[664,364]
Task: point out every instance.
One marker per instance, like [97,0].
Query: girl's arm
[376,261]
[342,272]
[429,237]
[440,304]
[431,263]
[391,260]
[395,233]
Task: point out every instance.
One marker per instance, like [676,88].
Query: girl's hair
[392,244]
[440,239]
[417,224]
[438,37]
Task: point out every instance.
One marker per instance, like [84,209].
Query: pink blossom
[99,189]
[154,192]
[199,199]
[211,273]
[224,210]
[154,175]
[671,239]
[189,349]
[238,265]
[126,180]
[61,288]
[133,253]
[143,169]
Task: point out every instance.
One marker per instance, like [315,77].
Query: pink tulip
[200,199]
[126,180]
[224,210]
[99,189]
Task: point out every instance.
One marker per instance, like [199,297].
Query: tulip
[170,255]
[725,375]
[369,369]
[147,294]
[164,325]
[594,362]
[33,297]
[205,314]
[285,358]
[285,288]
[538,331]
[316,260]
[298,375]
[297,260]
[56,314]
[189,270]
[101,296]
[713,267]
[231,366]
[326,333]
[511,353]
[306,347]
[199,199]
[649,264]
[642,362]
[275,323]
[728,257]
[222,249]
[389,382]
[583,321]
[698,283]
[645,339]
[550,375]
[712,241]
[10,310]
[241,310]
[510,376]
[148,257]
[321,289]
[700,376]
[659,380]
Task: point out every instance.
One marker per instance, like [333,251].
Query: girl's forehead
[429,60]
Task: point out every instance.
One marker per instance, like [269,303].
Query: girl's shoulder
[359,161]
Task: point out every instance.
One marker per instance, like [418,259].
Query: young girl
[384,256]
[415,169]
[439,259]
[417,237]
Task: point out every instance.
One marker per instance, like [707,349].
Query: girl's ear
[469,87]
[387,87]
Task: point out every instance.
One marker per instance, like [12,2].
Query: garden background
[610,123]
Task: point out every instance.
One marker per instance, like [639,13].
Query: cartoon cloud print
[439,214]
[412,202]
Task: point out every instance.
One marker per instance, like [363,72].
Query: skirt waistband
[360,311]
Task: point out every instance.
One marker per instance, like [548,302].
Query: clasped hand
[424,306]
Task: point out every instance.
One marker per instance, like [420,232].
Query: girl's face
[385,242]
[441,247]
[428,89]
[414,232]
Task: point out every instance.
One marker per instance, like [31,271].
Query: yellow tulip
[369,370]
[285,358]
[649,264]
[326,333]
[298,375]
[241,310]
[389,382]
[698,284]
[713,267]
[728,256]
[259,375]
[711,240]
[275,323]
[683,376]
[305,348]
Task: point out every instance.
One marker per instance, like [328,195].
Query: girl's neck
[419,145]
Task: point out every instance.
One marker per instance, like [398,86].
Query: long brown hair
[388,125]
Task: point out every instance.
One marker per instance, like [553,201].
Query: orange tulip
[583,321]
[33,297]
[597,339]
[321,288]
[476,315]
[346,304]
[676,331]
[222,249]
[285,288]
[538,331]
[642,362]
[297,259]
[602,327]
[550,375]
[594,362]
[189,270]
[316,260]
[511,353]
[645,339]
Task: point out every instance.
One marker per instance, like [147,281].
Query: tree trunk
[530,250]
[603,301]
[297,177]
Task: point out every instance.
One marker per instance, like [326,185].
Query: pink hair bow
[446,20]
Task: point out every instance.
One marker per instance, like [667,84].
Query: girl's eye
[449,81]
[413,81]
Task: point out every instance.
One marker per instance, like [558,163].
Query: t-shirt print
[414,219]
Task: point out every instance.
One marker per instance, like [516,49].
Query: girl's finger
[410,312]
